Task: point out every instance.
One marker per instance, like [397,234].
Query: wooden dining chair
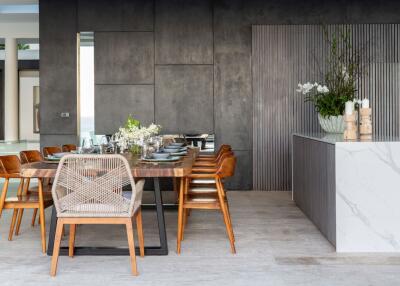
[214,162]
[88,189]
[212,157]
[50,150]
[68,147]
[212,196]
[10,168]
[31,156]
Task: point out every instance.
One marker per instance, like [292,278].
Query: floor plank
[276,245]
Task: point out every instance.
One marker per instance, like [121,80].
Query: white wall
[27,80]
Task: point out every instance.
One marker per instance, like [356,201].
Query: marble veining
[367,196]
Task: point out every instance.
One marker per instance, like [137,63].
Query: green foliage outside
[20,47]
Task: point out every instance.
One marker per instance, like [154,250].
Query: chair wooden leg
[139,226]
[41,215]
[229,231]
[20,214]
[131,243]
[185,210]
[14,218]
[226,205]
[21,191]
[34,217]
[229,219]
[56,249]
[72,231]
[225,199]
[3,195]
[180,216]
[26,187]
[184,222]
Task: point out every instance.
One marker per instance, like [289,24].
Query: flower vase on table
[136,149]
[132,136]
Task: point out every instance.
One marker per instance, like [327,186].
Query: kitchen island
[349,189]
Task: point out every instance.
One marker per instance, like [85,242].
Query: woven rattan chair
[88,189]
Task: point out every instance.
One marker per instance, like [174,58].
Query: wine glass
[104,144]
[87,145]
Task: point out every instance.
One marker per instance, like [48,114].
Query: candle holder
[365,123]
[351,127]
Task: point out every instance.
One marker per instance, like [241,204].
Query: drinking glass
[104,144]
[87,145]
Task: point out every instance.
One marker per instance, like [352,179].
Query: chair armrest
[204,164]
[206,156]
[204,170]
[202,176]
[11,176]
[205,159]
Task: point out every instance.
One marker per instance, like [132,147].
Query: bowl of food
[160,155]
[177,144]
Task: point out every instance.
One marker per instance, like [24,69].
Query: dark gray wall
[189,33]
[283,56]
[58,74]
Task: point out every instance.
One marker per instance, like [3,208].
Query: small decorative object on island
[350,117]
[365,121]
[342,71]
[133,136]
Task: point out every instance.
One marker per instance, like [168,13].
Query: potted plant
[340,84]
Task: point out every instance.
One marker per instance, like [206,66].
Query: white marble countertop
[338,138]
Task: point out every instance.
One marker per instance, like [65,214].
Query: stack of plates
[56,156]
[168,159]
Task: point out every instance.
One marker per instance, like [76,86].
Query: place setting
[154,153]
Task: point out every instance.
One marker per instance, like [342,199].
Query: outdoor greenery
[20,47]
[343,67]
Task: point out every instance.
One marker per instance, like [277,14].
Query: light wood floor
[276,245]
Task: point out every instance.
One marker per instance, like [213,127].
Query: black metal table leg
[203,144]
[160,217]
[52,233]
[148,250]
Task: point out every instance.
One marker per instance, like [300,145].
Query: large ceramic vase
[332,124]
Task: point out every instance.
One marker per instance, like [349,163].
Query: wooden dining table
[140,169]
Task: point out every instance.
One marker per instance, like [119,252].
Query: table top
[139,168]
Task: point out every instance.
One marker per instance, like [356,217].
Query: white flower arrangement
[309,87]
[132,134]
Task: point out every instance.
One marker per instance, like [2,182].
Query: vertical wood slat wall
[283,56]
